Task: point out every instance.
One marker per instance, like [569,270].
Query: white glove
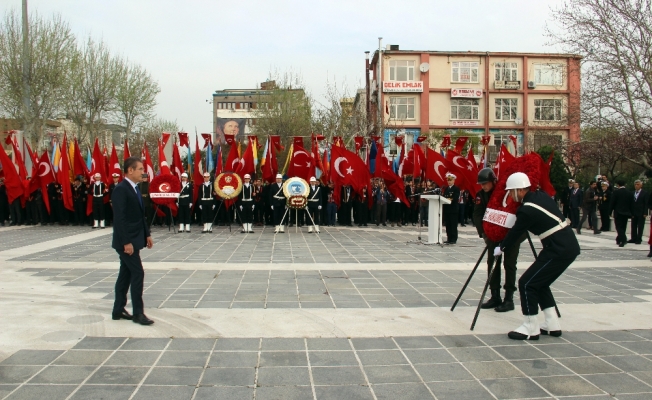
[213,206]
[190,205]
[252,207]
[240,208]
[498,252]
[200,207]
[272,207]
[319,208]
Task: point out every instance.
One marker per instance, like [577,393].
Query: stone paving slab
[343,288]
[20,236]
[416,367]
[333,245]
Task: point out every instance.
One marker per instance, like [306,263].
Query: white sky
[193,47]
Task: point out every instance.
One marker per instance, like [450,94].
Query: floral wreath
[164,189]
[228,185]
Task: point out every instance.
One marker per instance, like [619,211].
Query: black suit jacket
[621,203]
[575,200]
[639,206]
[129,223]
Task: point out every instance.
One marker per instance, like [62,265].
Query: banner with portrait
[231,126]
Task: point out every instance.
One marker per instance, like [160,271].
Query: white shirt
[133,185]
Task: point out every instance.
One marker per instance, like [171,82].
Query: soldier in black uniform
[206,203]
[450,212]
[109,206]
[344,213]
[184,204]
[277,201]
[79,197]
[98,191]
[247,205]
[487,179]
[259,204]
[605,206]
[361,207]
[314,204]
[56,203]
[540,215]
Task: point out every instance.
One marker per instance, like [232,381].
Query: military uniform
[185,204]
[79,197]
[98,191]
[277,201]
[56,203]
[259,206]
[314,205]
[450,212]
[246,205]
[344,213]
[206,204]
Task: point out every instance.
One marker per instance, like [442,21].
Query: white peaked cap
[207,174]
[313,179]
[184,175]
[97,175]
[449,175]
[279,176]
[247,176]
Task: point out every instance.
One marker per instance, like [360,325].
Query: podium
[435,204]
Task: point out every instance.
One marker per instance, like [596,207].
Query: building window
[547,110]
[401,70]
[506,109]
[401,108]
[506,71]
[541,140]
[226,106]
[465,72]
[245,106]
[465,109]
[548,74]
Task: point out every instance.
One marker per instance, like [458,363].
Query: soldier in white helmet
[206,203]
[540,215]
[314,204]
[98,191]
[277,200]
[184,204]
[246,205]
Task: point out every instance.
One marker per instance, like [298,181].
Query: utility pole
[27,134]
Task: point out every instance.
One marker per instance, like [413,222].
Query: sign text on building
[472,93]
[402,86]
[464,123]
[514,85]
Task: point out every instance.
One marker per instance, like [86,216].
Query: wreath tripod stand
[497,264]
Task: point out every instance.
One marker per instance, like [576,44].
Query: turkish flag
[45,177]
[233,159]
[63,177]
[326,167]
[270,166]
[126,154]
[297,141]
[165,138]
[246,164]
[98,162]
[359,141]
[446,141]
[463,168]
[208,139]
[80,164]
[337,141]
[436,168]
[459,144]
[348,169]
[183,139]
[147,162]
[471,158]
[419,161]
[22,170]
[177,165]
[394,185]
[197,176]
[163,166]
[114,164]
[381,161]
[503,160]
[300,163]
[13,183]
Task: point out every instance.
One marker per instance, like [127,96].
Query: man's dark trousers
[131,274]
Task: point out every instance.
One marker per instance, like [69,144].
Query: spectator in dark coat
[575,201]
[621,206]
[639,213]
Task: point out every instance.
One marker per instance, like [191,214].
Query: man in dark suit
[621,206]
[565,198]
[130,235]
[450,212]
[575,202]
[639,213]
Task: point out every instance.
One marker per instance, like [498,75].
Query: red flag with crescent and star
[464,170]
[114,164]
[13,183]
[348,169]
[45,177]
[233,159]
[436,167]
[300,163]
[147,162]
[177,165]
[183,139]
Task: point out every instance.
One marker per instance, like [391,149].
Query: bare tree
[615,38]
[149,132]
[52,47]
[135,97]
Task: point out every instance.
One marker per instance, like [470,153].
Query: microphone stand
[419,241]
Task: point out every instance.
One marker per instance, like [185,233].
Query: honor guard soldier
[278,203]
[487,179]
[98,190]
[206,203]
[246,205]
[259,204]
[79,197]
[109,210]
[450,212]
[540,215]
[314,203]
[185,204]
[56,203]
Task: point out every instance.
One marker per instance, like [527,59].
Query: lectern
[435,204]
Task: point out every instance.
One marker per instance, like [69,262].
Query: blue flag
[373,152]
[209,158]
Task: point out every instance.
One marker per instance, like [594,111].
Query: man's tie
[140,196]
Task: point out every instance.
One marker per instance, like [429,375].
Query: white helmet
[517,180]
[247,176]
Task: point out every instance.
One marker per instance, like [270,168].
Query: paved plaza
[351,313]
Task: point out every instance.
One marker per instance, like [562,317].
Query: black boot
[650,253]
[494,301]
[508,303]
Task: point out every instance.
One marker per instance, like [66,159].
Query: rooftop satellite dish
[424,67]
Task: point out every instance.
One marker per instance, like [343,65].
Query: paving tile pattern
[333,245]
[343,288]
[14,238]
[602,365]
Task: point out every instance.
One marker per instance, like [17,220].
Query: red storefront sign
[471,93]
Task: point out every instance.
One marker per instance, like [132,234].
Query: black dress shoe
[551,333]
[638,242]
[622,244]
[122,315]
[519,336]
[142,319]
[630,241]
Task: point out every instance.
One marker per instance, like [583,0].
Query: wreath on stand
[164,190]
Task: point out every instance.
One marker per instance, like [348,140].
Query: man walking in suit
[130,235]
[639,212]
[575,202]
[621,206]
